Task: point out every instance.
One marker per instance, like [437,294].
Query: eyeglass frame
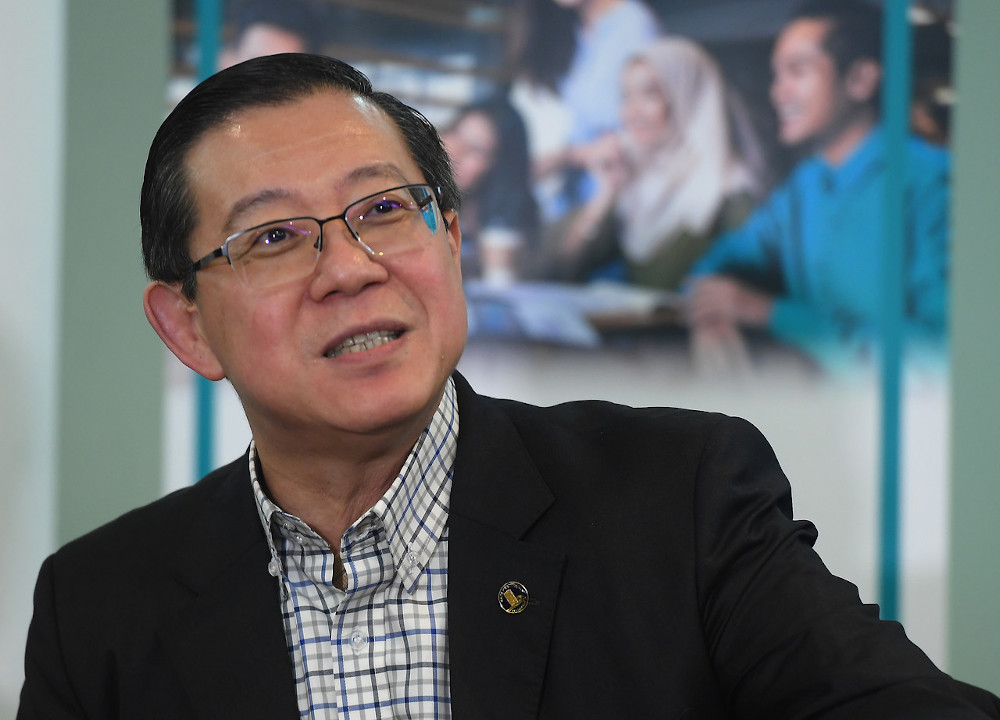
[223,250]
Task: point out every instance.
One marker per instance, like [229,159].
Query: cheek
[268,314]
[453,299]
[255,336]
[658,118]
[450,321]
[434,281]
[649,126]
[817,90]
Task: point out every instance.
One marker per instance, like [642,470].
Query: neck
[837,148]
[329,485]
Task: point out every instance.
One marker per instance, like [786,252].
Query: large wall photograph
[700,180]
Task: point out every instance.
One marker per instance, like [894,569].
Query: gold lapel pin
[513,597]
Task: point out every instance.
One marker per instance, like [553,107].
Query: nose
[345,264]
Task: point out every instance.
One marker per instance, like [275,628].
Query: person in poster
[806,265]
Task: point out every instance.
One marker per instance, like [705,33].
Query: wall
[974,618]
[30,205]
[80,371]
[110,410]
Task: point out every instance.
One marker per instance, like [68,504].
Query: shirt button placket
[359,641]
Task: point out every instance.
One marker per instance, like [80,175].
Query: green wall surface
[974,598]
[110,378]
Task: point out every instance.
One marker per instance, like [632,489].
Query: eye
[286,232]
[384,209]
[272,239]
[384,206]
[273,235]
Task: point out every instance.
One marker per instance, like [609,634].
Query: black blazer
[665,579]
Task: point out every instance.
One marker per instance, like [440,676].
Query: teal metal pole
[895,107]
[208,21]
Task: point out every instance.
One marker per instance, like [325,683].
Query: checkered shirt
[380,648]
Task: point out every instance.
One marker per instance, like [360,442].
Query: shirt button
[272,567]
[358,641]
[411,559]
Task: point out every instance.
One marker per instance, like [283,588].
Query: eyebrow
[248,203]
[267,196]
[376,170]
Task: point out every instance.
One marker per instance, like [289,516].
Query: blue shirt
[816,244]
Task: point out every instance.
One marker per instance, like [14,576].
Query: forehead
[639,71]
[324,138]
[802,38]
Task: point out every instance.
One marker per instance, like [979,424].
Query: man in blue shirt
[807,266]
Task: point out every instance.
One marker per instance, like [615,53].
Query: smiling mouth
[788,112]
[364,341]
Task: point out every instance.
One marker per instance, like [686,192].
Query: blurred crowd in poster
[702,177]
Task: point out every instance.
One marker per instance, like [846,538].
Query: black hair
[166,209]
[855,29]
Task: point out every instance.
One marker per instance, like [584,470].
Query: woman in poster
[488,146]
[685,166]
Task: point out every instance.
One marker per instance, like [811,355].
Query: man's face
[313,157]
[807,91]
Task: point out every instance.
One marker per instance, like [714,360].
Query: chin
[792,138]
[392,406]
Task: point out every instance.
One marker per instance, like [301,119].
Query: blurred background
[95,417]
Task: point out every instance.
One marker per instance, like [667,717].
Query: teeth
[787,112]
[365,341]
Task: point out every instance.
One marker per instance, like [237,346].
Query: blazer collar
[228,644]
[496,481]
[498,659]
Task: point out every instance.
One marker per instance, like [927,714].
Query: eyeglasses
[388,222]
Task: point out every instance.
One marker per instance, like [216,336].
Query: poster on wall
[703,180]
[669,202]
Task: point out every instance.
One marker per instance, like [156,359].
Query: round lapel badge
[513,597]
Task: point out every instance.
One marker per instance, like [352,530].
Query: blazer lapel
[498,658]
[228,645]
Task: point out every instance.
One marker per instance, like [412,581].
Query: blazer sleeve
[787,638]
[47,693]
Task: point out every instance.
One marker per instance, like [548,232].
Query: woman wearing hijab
[684,168]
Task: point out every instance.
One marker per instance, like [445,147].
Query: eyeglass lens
[390,222]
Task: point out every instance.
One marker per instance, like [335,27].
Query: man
[806,266]
[393,544]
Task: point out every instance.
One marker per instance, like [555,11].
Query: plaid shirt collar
[413,511]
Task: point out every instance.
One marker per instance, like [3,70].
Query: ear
[176,319]
[863,80]
[454,233]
